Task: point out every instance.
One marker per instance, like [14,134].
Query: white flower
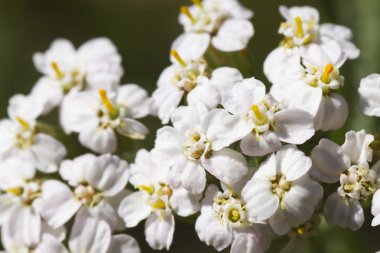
[347,164]
[186,77]
[302,28]
[196,144]
[21,139]
[302,34]
[281,191]
[375,210]
[91,236]
[155,200]
[96,64]
[223,22]
[313,87]
[267,124]
[20,201]
[13,239]
[369,91]
[224,220]
[97,116]
[97,185]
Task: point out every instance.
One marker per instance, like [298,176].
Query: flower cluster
[226,157]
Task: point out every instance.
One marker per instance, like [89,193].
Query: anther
[178,58]
[186,12]
[326,73]
[23,123]
[56,69]
[298,21]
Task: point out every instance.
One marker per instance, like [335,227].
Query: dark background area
[143,31]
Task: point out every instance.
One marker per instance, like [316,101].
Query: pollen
[56,69]
[197,3]
[148,189]
[300,230]
[15,191]
[327,72]
[114,112]
[23,123]
[178,58]
[298,21]
[186,12]
[256,111]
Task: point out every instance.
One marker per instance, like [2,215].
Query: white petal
[185,118]
[294,126]
[356,146]
[375,210]
[123,244]
[77,114]
[191,45]
[104,211]
[75,171]
[48,92]
[329,161]
[337,212]
[89,235]
[369,91]
[240,97]
[133,129]
[212,232]
[159,230]
[224,78]
[298,95]
[204,97]
[99,140]
[191,174]
[302,198]
[26,107]
[168,145]
[282,64]
[145,170]
[14,173]
[261,202]
[227,165]
[262,145]
[109,174]
[233,35]
[292,162]
[134,208]
[135,99]
[223,129]
[250,242]
[50,244]
[58,204]
[166,98]
[102,63]
[24,226]
[184,203]
[48,152]
[332,113]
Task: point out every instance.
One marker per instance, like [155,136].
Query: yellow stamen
[256,111]
[300,230]
[326,73]
[159,204]
[298,21]
[197,3]
[15,191]
[107,103]
[56,69]
[186,12]
[148,189]
[23,123]
[178,58]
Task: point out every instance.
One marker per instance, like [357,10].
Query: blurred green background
[143,31]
